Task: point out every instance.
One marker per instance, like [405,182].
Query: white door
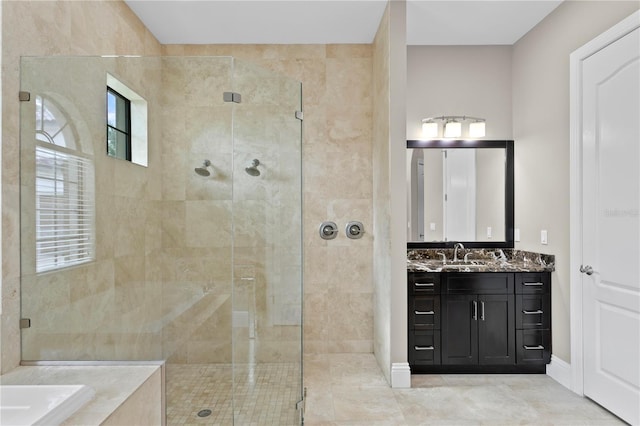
[611,226]
[460,194]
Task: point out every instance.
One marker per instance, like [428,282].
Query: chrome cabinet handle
[586,269]
[425,312]
[482,310]
[424,348]
[533,284]
[533,312]
[534,348]
[475,310]
[424,284]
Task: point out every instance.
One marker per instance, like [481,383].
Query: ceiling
[449,22]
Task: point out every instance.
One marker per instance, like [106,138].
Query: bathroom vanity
[488,315]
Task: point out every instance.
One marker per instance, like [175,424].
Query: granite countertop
[479,260]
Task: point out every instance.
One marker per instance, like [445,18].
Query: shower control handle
[354,230]
[328,230]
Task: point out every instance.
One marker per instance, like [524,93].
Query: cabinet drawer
[424,313]
[478,283]
[534,346]
[533,282]
[424,347]
[424,282]
[533,311]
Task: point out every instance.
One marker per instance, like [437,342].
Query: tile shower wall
[337,161]
[54,28]
[110,308]
[230,222]
[337,182]
[196,211]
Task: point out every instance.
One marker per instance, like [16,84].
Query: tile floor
[349,389]
[265,394]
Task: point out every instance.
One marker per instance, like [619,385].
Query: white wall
[0,166]
[389,213]
[541,132]
[397,162]
[460,80]
[523,92]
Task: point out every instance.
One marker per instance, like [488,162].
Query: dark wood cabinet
[424,318]
[479,322]
[459,329]
[533,313]
[478,328]
[496,330]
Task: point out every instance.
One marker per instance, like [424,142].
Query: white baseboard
[400,375]
[560,371]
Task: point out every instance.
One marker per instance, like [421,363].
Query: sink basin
[461,266]
[471,265]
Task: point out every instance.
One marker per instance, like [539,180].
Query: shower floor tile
[265,394]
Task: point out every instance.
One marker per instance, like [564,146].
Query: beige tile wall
[110,308]
[337,182]
[46,28]
[337,83]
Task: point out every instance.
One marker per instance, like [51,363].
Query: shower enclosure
[164,222]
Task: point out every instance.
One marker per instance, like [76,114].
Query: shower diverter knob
[354,230]
[328,230]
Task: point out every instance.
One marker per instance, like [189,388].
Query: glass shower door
[267,253]
[193,256]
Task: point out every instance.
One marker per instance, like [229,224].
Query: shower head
[253,169]
[203,171]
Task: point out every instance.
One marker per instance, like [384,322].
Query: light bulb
[430,129]
[477,129]
[453,129]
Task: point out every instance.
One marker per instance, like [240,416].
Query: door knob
[586,269]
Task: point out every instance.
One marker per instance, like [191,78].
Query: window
[64,192]
[126,123]
[118,125]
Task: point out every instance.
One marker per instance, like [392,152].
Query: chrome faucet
[457,246]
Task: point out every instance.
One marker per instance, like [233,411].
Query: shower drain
[204,413]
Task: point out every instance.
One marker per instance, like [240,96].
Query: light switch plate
[543,237]
[516,234]
[432,226]
[489,232]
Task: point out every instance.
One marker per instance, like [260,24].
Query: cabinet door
[459,329]
[534,346]
[425,313]
[424,348]
[533,311]
[496,329]
[533,282]
[421,283]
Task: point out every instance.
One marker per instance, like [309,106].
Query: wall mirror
[460,191]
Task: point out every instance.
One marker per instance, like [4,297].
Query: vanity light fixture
[452,126]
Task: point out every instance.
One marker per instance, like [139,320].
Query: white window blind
[65,209]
